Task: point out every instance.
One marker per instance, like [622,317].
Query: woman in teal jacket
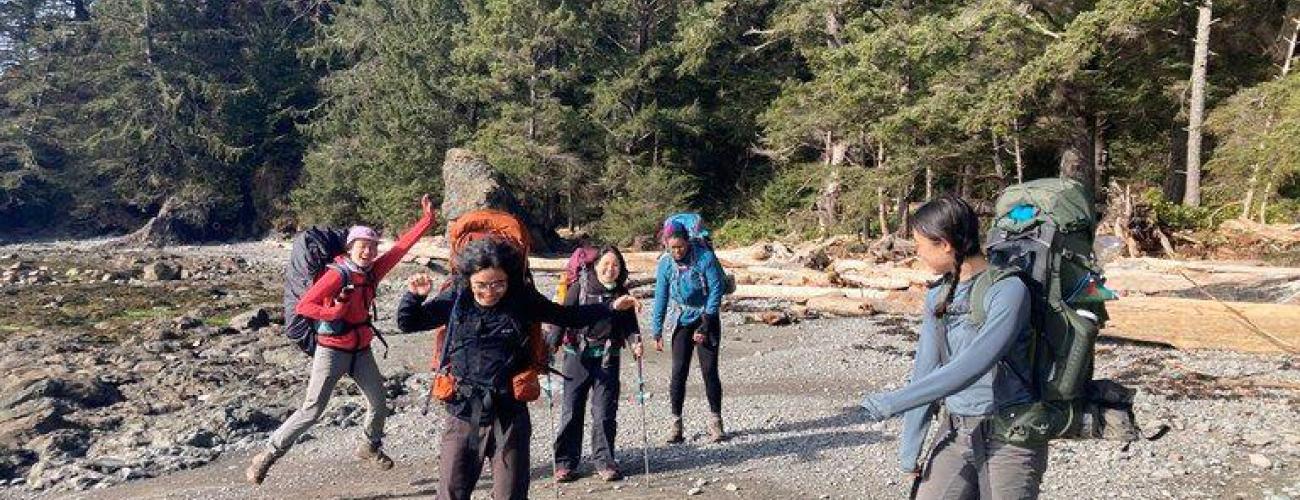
[689,284]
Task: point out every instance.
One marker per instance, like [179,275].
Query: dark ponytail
[949,218]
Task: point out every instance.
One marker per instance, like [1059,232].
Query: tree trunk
[1192,193]
[1263,201]
[1248,202]
[904,212]
[1295,36]
[1176,166]
[833,27]
[1019,153]
[967,181]
[828,204]
[532,106]
[998,168]
[929,182]
[80,12]
[1099,155]
[148,36]
[1076,155]
[883,206]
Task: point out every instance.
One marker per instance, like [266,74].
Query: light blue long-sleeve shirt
[697,283]
[987,370]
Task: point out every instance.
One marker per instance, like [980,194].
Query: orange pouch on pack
[525,386]
[444,387]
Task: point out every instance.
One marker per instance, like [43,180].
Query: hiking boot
[610,475]
[368,452]
[565,476]
[674,432]
[259,465]
[716,435]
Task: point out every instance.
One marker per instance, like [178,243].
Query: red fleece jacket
[321,301]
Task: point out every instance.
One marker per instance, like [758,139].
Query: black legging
[683,344]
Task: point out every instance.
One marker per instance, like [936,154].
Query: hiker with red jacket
[488,361]
[343,336]
[591,364]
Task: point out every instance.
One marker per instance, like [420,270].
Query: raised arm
[415,313]
[389,259]
[542,309]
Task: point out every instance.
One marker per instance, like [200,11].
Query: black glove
[711,328]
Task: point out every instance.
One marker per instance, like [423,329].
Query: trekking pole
[641,397]
[550,415]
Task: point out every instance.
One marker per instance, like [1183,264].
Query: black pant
[683,344]
[588,376]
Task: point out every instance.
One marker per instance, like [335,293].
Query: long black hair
[951,219]
[487,253]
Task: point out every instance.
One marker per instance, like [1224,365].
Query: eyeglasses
[491,286]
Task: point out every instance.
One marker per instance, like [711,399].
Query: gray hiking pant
[505,443]
[966,464]
[327,367]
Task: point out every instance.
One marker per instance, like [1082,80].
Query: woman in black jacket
[591,367]
[490,311]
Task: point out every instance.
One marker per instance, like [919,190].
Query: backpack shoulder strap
[941,324]
[343,273]
[980,290]
[444,357]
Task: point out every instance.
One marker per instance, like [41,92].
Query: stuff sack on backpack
[1043,234]
[313,251]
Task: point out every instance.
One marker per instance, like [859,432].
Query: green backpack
[1043,234]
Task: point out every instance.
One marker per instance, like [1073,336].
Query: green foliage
[1179,217]
[1258,150]
[652,194]
[615,113]
[394,102]
[131,102]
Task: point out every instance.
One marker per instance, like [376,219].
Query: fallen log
[875,282]
[762,275]
[1204,324]
[841,306]
[786,292]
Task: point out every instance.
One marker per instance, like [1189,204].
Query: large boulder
[470,183]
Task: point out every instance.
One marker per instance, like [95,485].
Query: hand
[426,206]
[699,338]
[659,344]
[420,284]
[626,303]
[913,475]
[637,350]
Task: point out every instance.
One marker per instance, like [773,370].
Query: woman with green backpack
[974,368]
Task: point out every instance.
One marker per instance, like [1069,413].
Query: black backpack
[313,252]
